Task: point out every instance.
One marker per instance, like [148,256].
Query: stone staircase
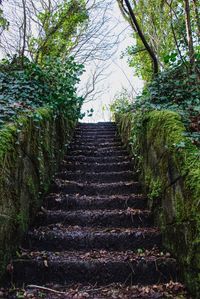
[94,236]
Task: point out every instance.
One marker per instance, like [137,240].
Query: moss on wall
[169,166]
[30,152]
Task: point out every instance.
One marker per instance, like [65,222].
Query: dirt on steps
[103,218]
[112,291]
[98,167]
[58,237]
[93,177]
[93,266]
[90,189]
[94,236]
[63,201]
[100,152]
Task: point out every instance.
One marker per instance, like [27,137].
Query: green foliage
[155,189]
[60,30]
[154,19]
[25,88]
[163,25]
[50,78]
[174,89]
[3,22]
[20,89]
[63,75]
[136,57]
[122,103]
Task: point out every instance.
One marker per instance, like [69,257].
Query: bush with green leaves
[174,89]
[24,88]
[63,77]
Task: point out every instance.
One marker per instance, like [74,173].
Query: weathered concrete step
[71,187]
[59,238]
[91,159]
[104,218]
[97,125]
[103,133]
[101,167]
[101,177]
[96,144]
[95,131]
[93,267]
[97,152]
[94,139]
[114,290]
[64,201]
[107,123]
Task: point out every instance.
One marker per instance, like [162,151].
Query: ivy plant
[25,88]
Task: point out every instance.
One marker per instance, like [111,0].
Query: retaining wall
[169,167]
[30,152]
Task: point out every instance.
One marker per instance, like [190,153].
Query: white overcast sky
[120,75]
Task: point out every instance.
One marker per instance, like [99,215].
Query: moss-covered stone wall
[30,152]
[170,168]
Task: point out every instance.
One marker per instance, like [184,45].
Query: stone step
[98,167]
[73,187]
[111,130]
[83,134]
[86,159]
[91,124]
[110,218]
[93,177]
[93,267]
[96,152]
[64,201]
[114,290]
[102,125]
[94,227]
[103,139]
[107,123]
[59,238]
[96,128]
[96,138]
[96,144]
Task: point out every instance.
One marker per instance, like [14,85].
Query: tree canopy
[171,29]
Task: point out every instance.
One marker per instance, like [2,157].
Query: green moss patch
[30,152]
[169,166]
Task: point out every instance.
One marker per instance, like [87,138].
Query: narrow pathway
[94,237]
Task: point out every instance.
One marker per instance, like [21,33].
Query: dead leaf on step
[44,210]
[58,199]
[46,263]
[128,183]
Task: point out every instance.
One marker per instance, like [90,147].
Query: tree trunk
[143,39]
[24,32]
[189,34]
[197,17]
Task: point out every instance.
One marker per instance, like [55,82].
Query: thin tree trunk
[143,39]
[174,35]
[189,34]
[197,16]
[125,14]
[24,32]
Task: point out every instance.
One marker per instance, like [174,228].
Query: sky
[119,74]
